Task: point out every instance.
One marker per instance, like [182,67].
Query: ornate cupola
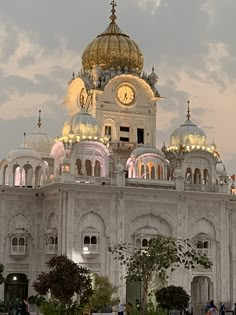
[113,49]
[39,140]
[188,136]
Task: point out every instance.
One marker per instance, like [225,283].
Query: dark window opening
[124,139]
[140,135]
[126,129]
[108,130]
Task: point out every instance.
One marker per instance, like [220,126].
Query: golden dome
[113,49]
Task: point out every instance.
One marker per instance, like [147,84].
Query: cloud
[32,75]
[149,5]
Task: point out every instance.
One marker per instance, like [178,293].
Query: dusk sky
[191,44]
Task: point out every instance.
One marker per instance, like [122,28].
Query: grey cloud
[10,44]
[26,60]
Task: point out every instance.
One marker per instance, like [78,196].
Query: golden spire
[113,16]
[39,120]
[188,111]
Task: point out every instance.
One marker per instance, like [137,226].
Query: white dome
[82,124]
[22,152]
[144,149]
[188,134]
[40,142]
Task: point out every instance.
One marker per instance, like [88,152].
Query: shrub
[172,297]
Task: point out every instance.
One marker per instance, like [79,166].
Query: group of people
[211,308]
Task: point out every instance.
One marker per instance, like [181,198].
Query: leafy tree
[64,279]
[162,254]
[172,297]
[102,294]
[2,279]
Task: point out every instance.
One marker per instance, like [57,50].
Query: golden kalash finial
[39,120]
[188,111]
[113,16]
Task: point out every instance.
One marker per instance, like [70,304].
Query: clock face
[126,95]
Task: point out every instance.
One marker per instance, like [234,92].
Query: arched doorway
[201,292]
[16,287]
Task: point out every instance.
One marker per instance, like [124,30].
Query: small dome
[40,142]
[143,149]
[22,152]
[112,49]
[188,134]
[82,124]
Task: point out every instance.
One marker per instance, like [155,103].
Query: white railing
[199,187]
[51,248]
[18,249]
[150,183]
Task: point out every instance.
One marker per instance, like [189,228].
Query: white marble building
[104,181]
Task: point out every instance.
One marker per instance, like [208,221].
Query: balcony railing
[51,248]
[18,250]
[199,187]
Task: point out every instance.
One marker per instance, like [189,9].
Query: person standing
[120,308]
[213,308]
[190,309]
[222,309]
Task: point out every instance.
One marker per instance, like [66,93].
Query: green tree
[64,279]
[172,297]
[103,291]
[163,254]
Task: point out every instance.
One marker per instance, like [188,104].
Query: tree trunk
[144,298]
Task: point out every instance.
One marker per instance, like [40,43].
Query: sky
[190,43]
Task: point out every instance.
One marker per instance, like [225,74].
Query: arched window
[188,175]
[144,242]
[97,169]
[94,240]
[79,166]
[159,171]
[197,176]
[205,180]
[86,240]
[21,241]
[38,176]
[5,179]
[142,171]
[90,243]
[28,170]
[88,166]
[150,171]
[18,245]
[51,244]
[16,175]
[203,247]
[50,240]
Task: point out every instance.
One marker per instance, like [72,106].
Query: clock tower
[113,88]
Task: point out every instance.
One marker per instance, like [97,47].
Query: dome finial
[39,119]
[113,16]
[188,111]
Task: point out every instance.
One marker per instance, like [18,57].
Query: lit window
[90,243]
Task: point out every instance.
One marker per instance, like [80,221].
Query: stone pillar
[70,223]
